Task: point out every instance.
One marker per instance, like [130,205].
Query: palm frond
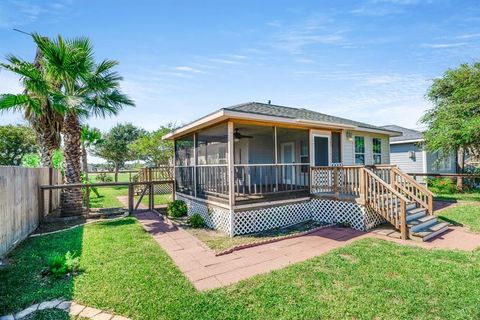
[19,102]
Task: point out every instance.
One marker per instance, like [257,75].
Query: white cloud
[188,69]
[312,31]
[444,45]
[15,13]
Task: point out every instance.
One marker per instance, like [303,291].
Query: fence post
[41,204]
[403,220]
[87,199]
[151,195]
[173,189]
[50,192]
[130,198]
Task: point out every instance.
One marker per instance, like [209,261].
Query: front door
[287,156]
[321,151]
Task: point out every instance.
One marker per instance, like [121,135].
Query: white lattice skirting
[215,217]
[265,218]
[352,214]
[259,219]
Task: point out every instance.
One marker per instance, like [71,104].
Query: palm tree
[85,89]
[35,103]
[89,138]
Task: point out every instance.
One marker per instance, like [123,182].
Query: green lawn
[122,177]
[127,273]
[467,214]
[108,197]
[473,195]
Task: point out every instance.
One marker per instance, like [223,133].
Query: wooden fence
[20,211]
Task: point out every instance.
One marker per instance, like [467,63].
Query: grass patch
[464,214]
[126,272]
[51,314]
[159,199]
[108,197]
[219,241]
[473,195]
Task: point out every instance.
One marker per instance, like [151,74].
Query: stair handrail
[429,204]
[402,222]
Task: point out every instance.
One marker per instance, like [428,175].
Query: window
[360,150]
[443,161]
[377,150]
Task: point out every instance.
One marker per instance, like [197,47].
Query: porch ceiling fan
[237,135]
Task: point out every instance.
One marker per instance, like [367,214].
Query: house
[257,166]
[408,153]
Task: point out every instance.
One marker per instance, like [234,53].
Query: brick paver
[207,271]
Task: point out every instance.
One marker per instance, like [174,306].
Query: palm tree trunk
[72,199]
[84,162]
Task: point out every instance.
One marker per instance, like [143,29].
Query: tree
[35,103]
[82,89]
[115,145]
[89,137]
[15,142]
[152,149]
[454,121]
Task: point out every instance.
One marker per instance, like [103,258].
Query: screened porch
[257,162]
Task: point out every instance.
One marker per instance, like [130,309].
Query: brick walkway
[207,271]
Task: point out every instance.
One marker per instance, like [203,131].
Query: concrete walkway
[207,271]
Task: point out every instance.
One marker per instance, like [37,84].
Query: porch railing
[412,190]
[344,180]
[212,180]
[386,201]
[254,180]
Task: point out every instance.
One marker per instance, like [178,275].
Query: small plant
[442,185]
[196,221]
[177,209]
[103,177]
[31,160]
[59,266]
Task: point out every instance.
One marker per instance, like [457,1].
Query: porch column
[231,191]
[195,165]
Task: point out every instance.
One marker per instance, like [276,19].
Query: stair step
[430,232]
[421,223]
[416,213]
[411,206]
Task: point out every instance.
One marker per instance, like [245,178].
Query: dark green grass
[467,215]
[473,195]
[127,273]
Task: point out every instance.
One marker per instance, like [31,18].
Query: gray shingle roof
[407,134]
[296,113]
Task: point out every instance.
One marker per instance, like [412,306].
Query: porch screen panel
[212,162]
[184,161]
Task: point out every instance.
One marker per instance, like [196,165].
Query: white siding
[399,156]
[349,148]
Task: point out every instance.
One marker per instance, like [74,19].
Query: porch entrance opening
[288,156]
[321,151]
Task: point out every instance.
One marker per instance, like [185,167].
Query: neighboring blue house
[408,153]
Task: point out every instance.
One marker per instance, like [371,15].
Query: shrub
[196,221]
[177,208]
[59,266]
[441,185]
[31,160]
[103,177]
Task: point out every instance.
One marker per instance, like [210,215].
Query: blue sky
[370,61]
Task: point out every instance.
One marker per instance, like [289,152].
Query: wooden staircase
[402,201]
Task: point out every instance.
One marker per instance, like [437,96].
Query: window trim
[355,153]
[376,153]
